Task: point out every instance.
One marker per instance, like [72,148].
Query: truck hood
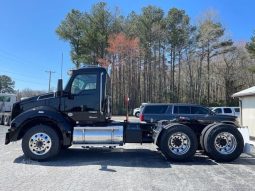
[39,97]
[46,100]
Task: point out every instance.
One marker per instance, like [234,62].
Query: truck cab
[84,100]
[86,97]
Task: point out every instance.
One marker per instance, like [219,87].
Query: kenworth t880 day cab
[81,115]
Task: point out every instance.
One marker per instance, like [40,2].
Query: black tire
[65,147]
[169,152]
[137,114]
[51,133]
[202,135]
[220,154]
[2,120]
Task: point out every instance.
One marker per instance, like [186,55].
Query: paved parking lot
[132,167]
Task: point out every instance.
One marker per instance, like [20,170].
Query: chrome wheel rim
[179,143]
[225,143]
[40,143]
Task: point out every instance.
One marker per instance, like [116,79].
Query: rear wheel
[223,142]
[202,135]
[137,114]
[178,143]
[41,142]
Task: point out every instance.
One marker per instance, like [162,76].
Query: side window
[237,110]
[155,109]
[227,110]
[218,110]
[5,98]
[199,110]
[176,110]
[184,109]
[83,83]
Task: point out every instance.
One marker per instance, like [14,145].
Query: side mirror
[60,87]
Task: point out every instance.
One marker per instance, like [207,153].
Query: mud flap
[246,138]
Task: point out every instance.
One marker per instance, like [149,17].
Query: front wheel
[178,143]
[41,142]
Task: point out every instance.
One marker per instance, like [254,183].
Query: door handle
[91,117]
[92,111]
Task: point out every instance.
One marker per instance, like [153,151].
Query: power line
[17,73]
[50,72]
[14,57]
[27,81]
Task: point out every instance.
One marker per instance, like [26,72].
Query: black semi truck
[80,114]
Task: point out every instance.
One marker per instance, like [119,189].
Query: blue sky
[29,45]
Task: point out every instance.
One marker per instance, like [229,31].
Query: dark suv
[190,112]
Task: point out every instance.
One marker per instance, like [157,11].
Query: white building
[247,104]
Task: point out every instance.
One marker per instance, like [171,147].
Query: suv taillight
[141,117]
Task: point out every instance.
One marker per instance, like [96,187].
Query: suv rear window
[227,110]
[155,109]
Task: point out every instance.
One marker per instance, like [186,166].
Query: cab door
[82,103]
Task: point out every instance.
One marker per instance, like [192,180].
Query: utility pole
[50,72]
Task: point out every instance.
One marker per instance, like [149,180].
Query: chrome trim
[179,143]
[101,89]
[93,117]
[94,145]
[225,143]
[39,97]
[108,105]
[92,111]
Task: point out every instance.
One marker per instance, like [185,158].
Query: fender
[63,124]
[160,127]
[231,123]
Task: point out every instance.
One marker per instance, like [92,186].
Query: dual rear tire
[178,143]
[221,142]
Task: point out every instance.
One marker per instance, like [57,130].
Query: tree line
[158,56]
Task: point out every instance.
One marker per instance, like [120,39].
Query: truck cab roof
[87,69]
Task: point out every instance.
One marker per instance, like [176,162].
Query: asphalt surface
[132,167]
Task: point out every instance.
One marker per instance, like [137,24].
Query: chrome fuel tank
[98,135]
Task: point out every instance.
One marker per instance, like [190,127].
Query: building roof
[247,92]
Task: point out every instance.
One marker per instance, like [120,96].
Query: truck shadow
[144,158]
